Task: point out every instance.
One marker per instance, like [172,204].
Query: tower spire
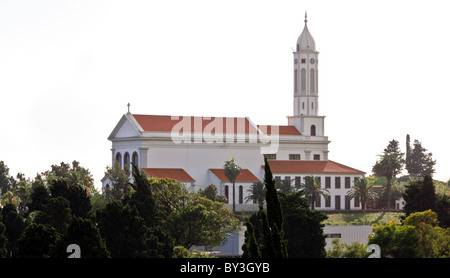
[306,17]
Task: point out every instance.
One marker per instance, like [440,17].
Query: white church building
[193,150]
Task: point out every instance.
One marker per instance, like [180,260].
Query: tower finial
[306,17]
[128,107]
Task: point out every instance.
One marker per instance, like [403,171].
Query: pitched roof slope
[245,176]
[311,167]
[171,173]
[235,125]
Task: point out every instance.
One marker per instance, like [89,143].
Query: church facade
[193,150]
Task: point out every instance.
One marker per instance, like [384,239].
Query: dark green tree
[250,247]
[273,242]
[420,195]
[84,233]
[408,152]
[443,210]
[142,197]
[421,163]
[3,241]
[15,225]
[303,227]
[428,194]
[58,210]
[122,229]
[40,196]
[38,241]
[7,182]
[77,195]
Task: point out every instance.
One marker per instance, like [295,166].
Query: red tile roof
[245,176]
[282,129]
[161,123]
[311,167]
[171,173]
[236,125]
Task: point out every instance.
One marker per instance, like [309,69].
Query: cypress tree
[428,195]
[273,243]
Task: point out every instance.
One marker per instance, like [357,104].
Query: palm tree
[23,191]
[232,171]
[257,192]
[285,185]
[362,188]
[311,189]
[388,166]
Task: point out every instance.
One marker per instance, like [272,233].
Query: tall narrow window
[135,159]
[312,87]
[295,82]
[303,80]
[313,130]
[126,162]
[241,194]
[337,182]
[119,159]
[226,193]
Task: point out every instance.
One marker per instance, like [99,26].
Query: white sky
[69,68]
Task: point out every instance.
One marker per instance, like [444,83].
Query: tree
[428,194]
[408,152]
[201,222]
[40,196]
[7,182]
[232,171]
[3,241]
[418,236]
[38,241]
[389,165]
[120,182]
[257,193]
[312,190]
[15,225]
[343,250]
[23,191]
[303,227]
[421,163]
[142,196]
[85,234]
[210,192]
[362,189]
[122,229]
[272,240]
[73,174]
[58,209]
[189,218]
[78,197]
[285,185]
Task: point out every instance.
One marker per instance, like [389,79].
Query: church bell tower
[306,94]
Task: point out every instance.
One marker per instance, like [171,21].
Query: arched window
[119,159]
[241,194]
[312,87]
[135,159]
[226,192]
[126,161]
[303,80]
[313,130]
